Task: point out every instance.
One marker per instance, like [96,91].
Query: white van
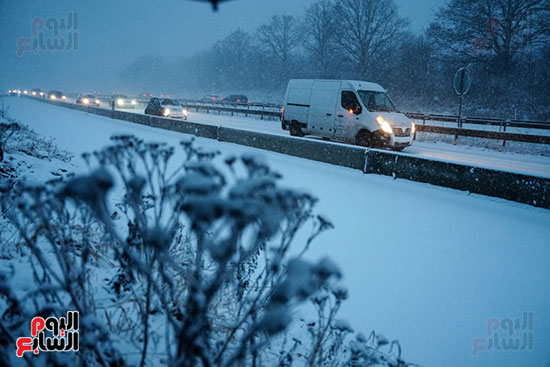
[351,111]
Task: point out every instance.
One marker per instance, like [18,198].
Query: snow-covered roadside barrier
[527,189]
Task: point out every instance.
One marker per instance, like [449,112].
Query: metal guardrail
[271,110]
[527,124]
[536,124]
[527,189]
[274,110]
[241,109]
[489,121]
[495,135]
[477,133]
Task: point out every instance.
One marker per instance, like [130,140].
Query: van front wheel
[364,138]
[295,130]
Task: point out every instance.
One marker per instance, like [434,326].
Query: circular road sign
[462,81]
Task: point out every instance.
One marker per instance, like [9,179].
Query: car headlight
[384,125]
[85,101]
[166,112]
[53,97]
[120,101]
[97,101]
[184,111]
[64,97]
[413,128]
[33,93]
[134,102]
[41,93]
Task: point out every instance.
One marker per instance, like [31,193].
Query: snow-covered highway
[535,165]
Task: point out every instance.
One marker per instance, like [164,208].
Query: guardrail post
[507,122]
[459,124]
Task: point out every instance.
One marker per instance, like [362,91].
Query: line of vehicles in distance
[349,111]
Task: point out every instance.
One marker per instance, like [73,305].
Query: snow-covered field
[427,265]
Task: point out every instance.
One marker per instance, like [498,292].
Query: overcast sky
[112,33]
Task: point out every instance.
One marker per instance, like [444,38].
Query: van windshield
[376,101]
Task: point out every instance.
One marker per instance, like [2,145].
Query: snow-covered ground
[427,265]
[530,164]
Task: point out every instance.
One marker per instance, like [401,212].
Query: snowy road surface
[427,265]
[503,161]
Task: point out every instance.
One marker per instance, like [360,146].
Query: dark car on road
[166,107]
[211,98]
[236,98]
[88,100]
[37,92]
[56,95]
[122,101]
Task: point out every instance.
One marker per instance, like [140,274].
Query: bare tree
[148,72]
[232,58]
[490,30]
[368,31]
[320,40]
[280,37]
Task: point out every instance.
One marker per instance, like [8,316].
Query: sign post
[462,83]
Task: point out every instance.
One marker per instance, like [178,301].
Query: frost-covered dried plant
[7,130]
[191,265]
[198,258]
[17,137]
[58,257]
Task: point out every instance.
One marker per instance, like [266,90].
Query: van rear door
[297,100]
[324,97]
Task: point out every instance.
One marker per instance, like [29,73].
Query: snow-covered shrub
[16,137]
[177,259]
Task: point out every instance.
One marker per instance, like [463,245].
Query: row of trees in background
[505,44]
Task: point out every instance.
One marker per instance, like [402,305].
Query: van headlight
[384,125]
[413,128]
[184,111]
[120,101]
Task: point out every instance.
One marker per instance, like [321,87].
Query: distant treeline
[504,44]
